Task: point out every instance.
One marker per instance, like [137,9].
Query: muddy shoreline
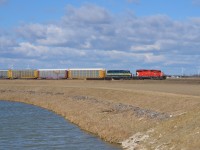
[113,114]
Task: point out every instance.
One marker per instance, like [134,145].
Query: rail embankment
[117,111]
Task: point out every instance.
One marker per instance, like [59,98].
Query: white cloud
[6,41]
[89,14]
[151,47]
[30,50]
[32,31]
[90,35]
[55,35]
[151,58]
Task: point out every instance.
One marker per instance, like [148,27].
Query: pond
[24,126]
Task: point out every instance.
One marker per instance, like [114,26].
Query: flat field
[151,114]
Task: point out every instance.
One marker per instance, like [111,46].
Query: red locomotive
[150,74]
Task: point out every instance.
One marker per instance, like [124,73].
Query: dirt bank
[142,114]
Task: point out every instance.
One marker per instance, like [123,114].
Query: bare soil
[146,114]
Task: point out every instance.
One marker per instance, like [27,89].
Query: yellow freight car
[86,73]
[23,74]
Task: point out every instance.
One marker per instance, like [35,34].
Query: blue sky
[111,34]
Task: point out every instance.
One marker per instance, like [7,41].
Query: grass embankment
[157,114]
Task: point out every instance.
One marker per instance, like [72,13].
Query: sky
[110,34]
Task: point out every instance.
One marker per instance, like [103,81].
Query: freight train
[97,73]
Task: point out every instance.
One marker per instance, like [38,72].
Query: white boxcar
[3,74]
[52,73]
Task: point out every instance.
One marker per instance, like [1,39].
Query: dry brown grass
[109,109]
